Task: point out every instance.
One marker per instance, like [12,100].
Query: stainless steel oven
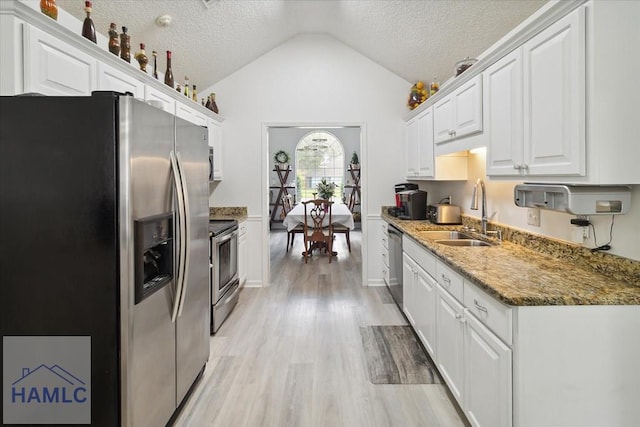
[225,285]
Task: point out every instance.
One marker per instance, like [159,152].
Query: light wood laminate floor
[290,354]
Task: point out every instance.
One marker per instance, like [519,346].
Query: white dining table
[340,214]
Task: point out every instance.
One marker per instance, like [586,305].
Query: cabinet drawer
[492,313]
[422,256]
[449,280]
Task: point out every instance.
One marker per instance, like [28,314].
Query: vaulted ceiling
[211,39]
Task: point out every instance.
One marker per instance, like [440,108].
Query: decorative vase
[49,8]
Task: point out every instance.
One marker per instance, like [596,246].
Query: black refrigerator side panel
[59,261]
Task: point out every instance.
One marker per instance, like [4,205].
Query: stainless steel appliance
[444,214]
[211,164]
[395,264]
[225,284]
[109,195]
[413,204]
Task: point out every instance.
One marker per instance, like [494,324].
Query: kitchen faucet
[474,203]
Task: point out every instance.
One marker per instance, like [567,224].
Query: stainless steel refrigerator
[104,234]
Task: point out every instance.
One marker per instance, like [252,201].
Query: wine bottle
[168,75]
[125,45]
[88,29]
[194,93]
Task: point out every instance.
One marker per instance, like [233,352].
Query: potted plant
[282,159]
[326,189]
[355,162]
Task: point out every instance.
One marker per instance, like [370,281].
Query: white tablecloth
[340,214]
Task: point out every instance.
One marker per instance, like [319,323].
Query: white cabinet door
[425,144]
[184,111]
[242,251]
[166,102]
[55,68]
[503,114]
[409,272]
[215,141]
[424,293]
[467,106]
[487,376]
[412,134]
[443,122]
[110,78]
[449,336]
[554,94]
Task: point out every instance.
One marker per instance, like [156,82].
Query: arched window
[319,155]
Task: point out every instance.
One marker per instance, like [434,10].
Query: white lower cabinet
[487,376]
[450,340]
[409,273]
[424,294]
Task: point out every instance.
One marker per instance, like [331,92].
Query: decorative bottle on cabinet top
[125,45]
[142,59]
[88,29]
[168,75]
[155,64]
[114,43]
[49,8]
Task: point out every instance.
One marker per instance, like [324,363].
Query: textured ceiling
[415,39]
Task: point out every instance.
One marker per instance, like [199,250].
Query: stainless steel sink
[444,235]
[463,242]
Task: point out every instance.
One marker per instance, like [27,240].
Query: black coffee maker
[399,210]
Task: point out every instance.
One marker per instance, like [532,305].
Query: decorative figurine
[142,59]
[125,45]
[114,43]
[49,8]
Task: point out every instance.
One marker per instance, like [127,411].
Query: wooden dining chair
[317,231]
[339,228]
[287,205]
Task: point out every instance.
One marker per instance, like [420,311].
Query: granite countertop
[520,276]
[238,213]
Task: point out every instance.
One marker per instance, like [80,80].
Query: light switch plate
[533,216]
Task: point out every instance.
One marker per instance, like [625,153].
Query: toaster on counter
[444,214]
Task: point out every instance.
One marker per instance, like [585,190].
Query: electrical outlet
[533,216]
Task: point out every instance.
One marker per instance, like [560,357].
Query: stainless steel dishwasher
[395,264]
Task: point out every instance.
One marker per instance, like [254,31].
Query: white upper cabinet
[53,67]
[419,146]
[460,113]
[215,141]
[422,164]
[503,114]
[110,78]
[190,114]
[554,99]
[162,99]
[534,104]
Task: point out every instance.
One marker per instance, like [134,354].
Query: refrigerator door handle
[185,237]
[177,179]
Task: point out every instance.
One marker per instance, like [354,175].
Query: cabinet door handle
[517,167]
[446,279]
[525,166]
[479,307]
[458,316]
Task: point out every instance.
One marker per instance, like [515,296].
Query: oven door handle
[186,237]
[177,180]
[224,237]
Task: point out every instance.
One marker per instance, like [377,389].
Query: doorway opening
[313,153]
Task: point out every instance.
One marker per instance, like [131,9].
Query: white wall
[500,204]
[311,79]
